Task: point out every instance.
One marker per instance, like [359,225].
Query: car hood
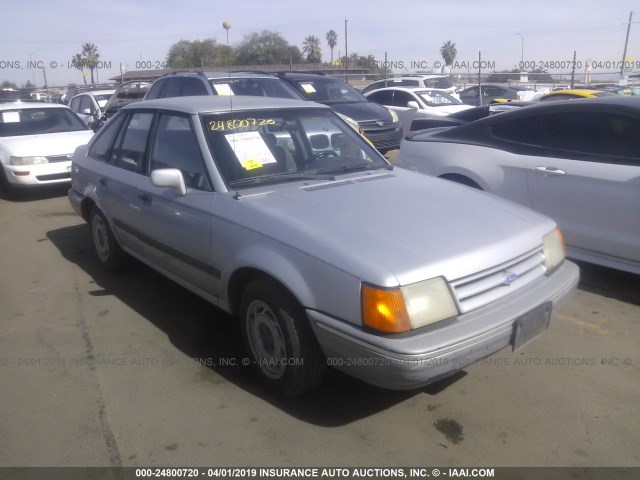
[46,144]
[362,111]
[392,228]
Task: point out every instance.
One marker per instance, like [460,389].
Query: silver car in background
[576,161]
[328,256]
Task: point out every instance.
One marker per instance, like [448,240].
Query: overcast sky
[130,32]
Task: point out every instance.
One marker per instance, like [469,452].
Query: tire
[8,190]
[109,253]
[278,339]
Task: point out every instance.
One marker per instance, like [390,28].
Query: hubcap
[266,339]
[100,238]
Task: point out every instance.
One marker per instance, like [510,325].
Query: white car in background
[411,103]
[37,141]
[429,81]
[90,105]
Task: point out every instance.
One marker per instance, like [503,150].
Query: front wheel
[278,339]
[110,255]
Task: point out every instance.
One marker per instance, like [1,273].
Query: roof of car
[34,104]
[97,92]
[222,103]
[406,89]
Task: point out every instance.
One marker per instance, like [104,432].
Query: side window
[103,141]
[176,146]
[471,92]
[383,97]
[595,133]
[156,89]
[86,105]
[173,87]
[524,130]
[193,86]
[75,104]
[492,92]
[400,98]
[132,149]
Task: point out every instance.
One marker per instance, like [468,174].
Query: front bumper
[384,138]
[407,362]
[40,174]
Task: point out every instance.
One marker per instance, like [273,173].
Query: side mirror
[87,111]
[413,105]
[171,178]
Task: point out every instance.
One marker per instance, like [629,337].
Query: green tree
[79,62]
[266,48]
[332,41]
[91,56]
[311,48]
[199,54]
[8,84]
[448,51]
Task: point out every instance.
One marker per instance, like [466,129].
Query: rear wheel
[110,255]
[278,339]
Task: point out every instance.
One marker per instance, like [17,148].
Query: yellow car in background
[570,94]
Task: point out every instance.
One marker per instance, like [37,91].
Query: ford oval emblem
[509,278]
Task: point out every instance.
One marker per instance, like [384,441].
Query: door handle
[103,182]
[552,170]
[146,198]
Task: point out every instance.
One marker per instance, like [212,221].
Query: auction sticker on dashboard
[223,89]
[250,149]
[308,87]
[10,117]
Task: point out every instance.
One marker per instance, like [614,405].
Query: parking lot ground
[132,370]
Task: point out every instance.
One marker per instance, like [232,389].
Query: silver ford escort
[281,214]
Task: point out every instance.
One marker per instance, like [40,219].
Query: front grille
[477,290]
[373,124]
[59,158]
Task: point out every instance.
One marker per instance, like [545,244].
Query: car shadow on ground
[206,334]
[623,286]
[32,194]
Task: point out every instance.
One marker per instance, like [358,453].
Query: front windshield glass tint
[257,87]
[35,121]
[439,82]
[277,145]
[437,99]
[329,91]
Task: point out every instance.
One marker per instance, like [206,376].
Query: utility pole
[626,42]
[346,52]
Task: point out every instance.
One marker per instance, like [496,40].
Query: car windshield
[439,82]
[433,98]
[35,121]
[102,99]
[257,87]
[279,145]
[329,91]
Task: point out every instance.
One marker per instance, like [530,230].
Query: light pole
[522,54]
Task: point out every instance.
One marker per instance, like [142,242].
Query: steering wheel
[325,154]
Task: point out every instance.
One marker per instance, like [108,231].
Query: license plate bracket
[530,325]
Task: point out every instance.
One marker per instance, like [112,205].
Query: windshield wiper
[280,176]
[344,168]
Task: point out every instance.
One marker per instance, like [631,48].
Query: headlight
[409,307]
[27,160]
[394,115]
[554,249]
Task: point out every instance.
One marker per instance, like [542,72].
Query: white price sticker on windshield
[10,117]
[308,87]
[223,89]
[250,149]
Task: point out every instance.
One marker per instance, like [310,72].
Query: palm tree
[91,55]
[311,48]
[332,41]
[448,51]
[79,62]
